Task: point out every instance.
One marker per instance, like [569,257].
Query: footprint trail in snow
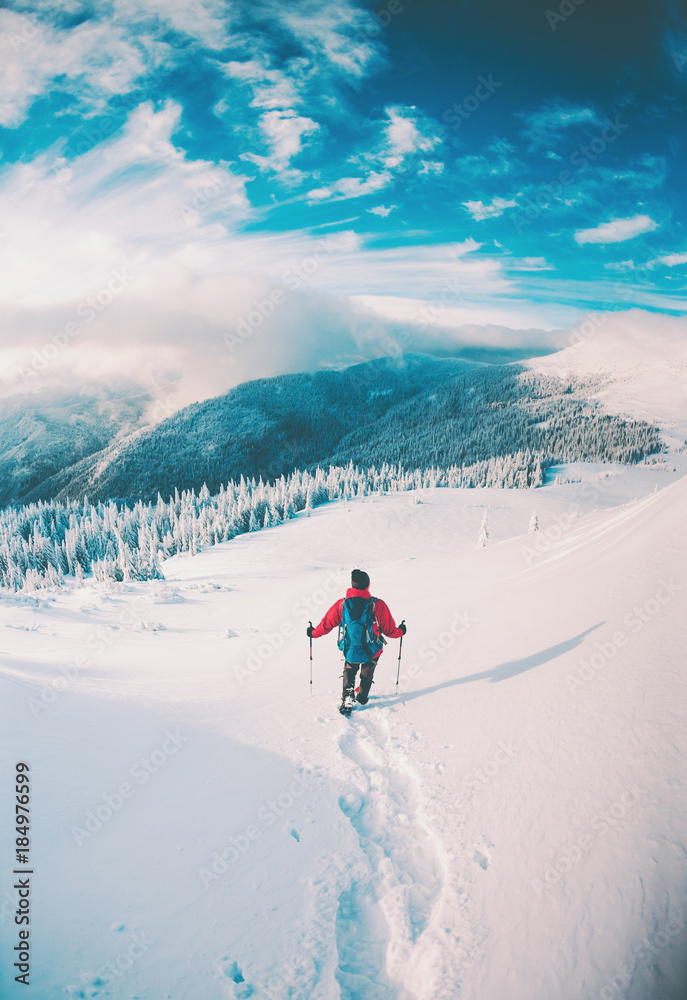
[386,913]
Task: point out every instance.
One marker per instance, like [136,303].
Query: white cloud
[431,167]
[144,334]
[620,265]
[480,211]
[531,264]
[272,88]
[544,127]
[138,206]
[206,21]
[283,132]
[92,61]
[500,159]
[382,210]
[119,43]
[351,187]
[172,229]
[467,246]
[135,199]
[446,326]
[455,269]
[672,259]
[405,134]
[641,175]
[338,36]
[109,52]
[328,46]
[617,230]
[172,319]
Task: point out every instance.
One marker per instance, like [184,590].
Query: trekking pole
[400,647]
[310,624]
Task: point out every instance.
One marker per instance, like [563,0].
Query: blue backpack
[356,639]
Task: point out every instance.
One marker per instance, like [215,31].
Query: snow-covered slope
[637,363]
[511,824]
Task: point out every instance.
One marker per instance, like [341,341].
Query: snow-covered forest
[426,413]
[42,543]
[495,428]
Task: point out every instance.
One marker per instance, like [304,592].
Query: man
[363,622]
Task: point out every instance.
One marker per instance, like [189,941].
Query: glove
[309,631]
[402,626]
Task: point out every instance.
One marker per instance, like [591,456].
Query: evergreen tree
[483,532]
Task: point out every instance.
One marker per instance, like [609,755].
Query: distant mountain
[637,362]
[44,433]
[418,412]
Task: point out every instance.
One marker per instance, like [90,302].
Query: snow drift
[511,823]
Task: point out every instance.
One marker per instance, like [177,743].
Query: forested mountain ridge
[416,412]
[44,433]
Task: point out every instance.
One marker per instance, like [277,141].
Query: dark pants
[366,674]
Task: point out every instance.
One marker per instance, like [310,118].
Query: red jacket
[384,622]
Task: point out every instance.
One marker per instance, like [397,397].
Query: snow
[638,362]
[511,824]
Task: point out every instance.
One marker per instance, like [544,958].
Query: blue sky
[334,179]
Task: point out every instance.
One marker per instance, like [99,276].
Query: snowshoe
[347,701]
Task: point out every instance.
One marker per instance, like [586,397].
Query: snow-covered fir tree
[483,532]
[43,543]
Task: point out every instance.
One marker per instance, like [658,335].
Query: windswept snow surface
[510,825]
[634,363]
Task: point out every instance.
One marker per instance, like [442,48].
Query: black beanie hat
[359,579]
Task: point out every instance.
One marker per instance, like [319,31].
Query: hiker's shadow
[500,673]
